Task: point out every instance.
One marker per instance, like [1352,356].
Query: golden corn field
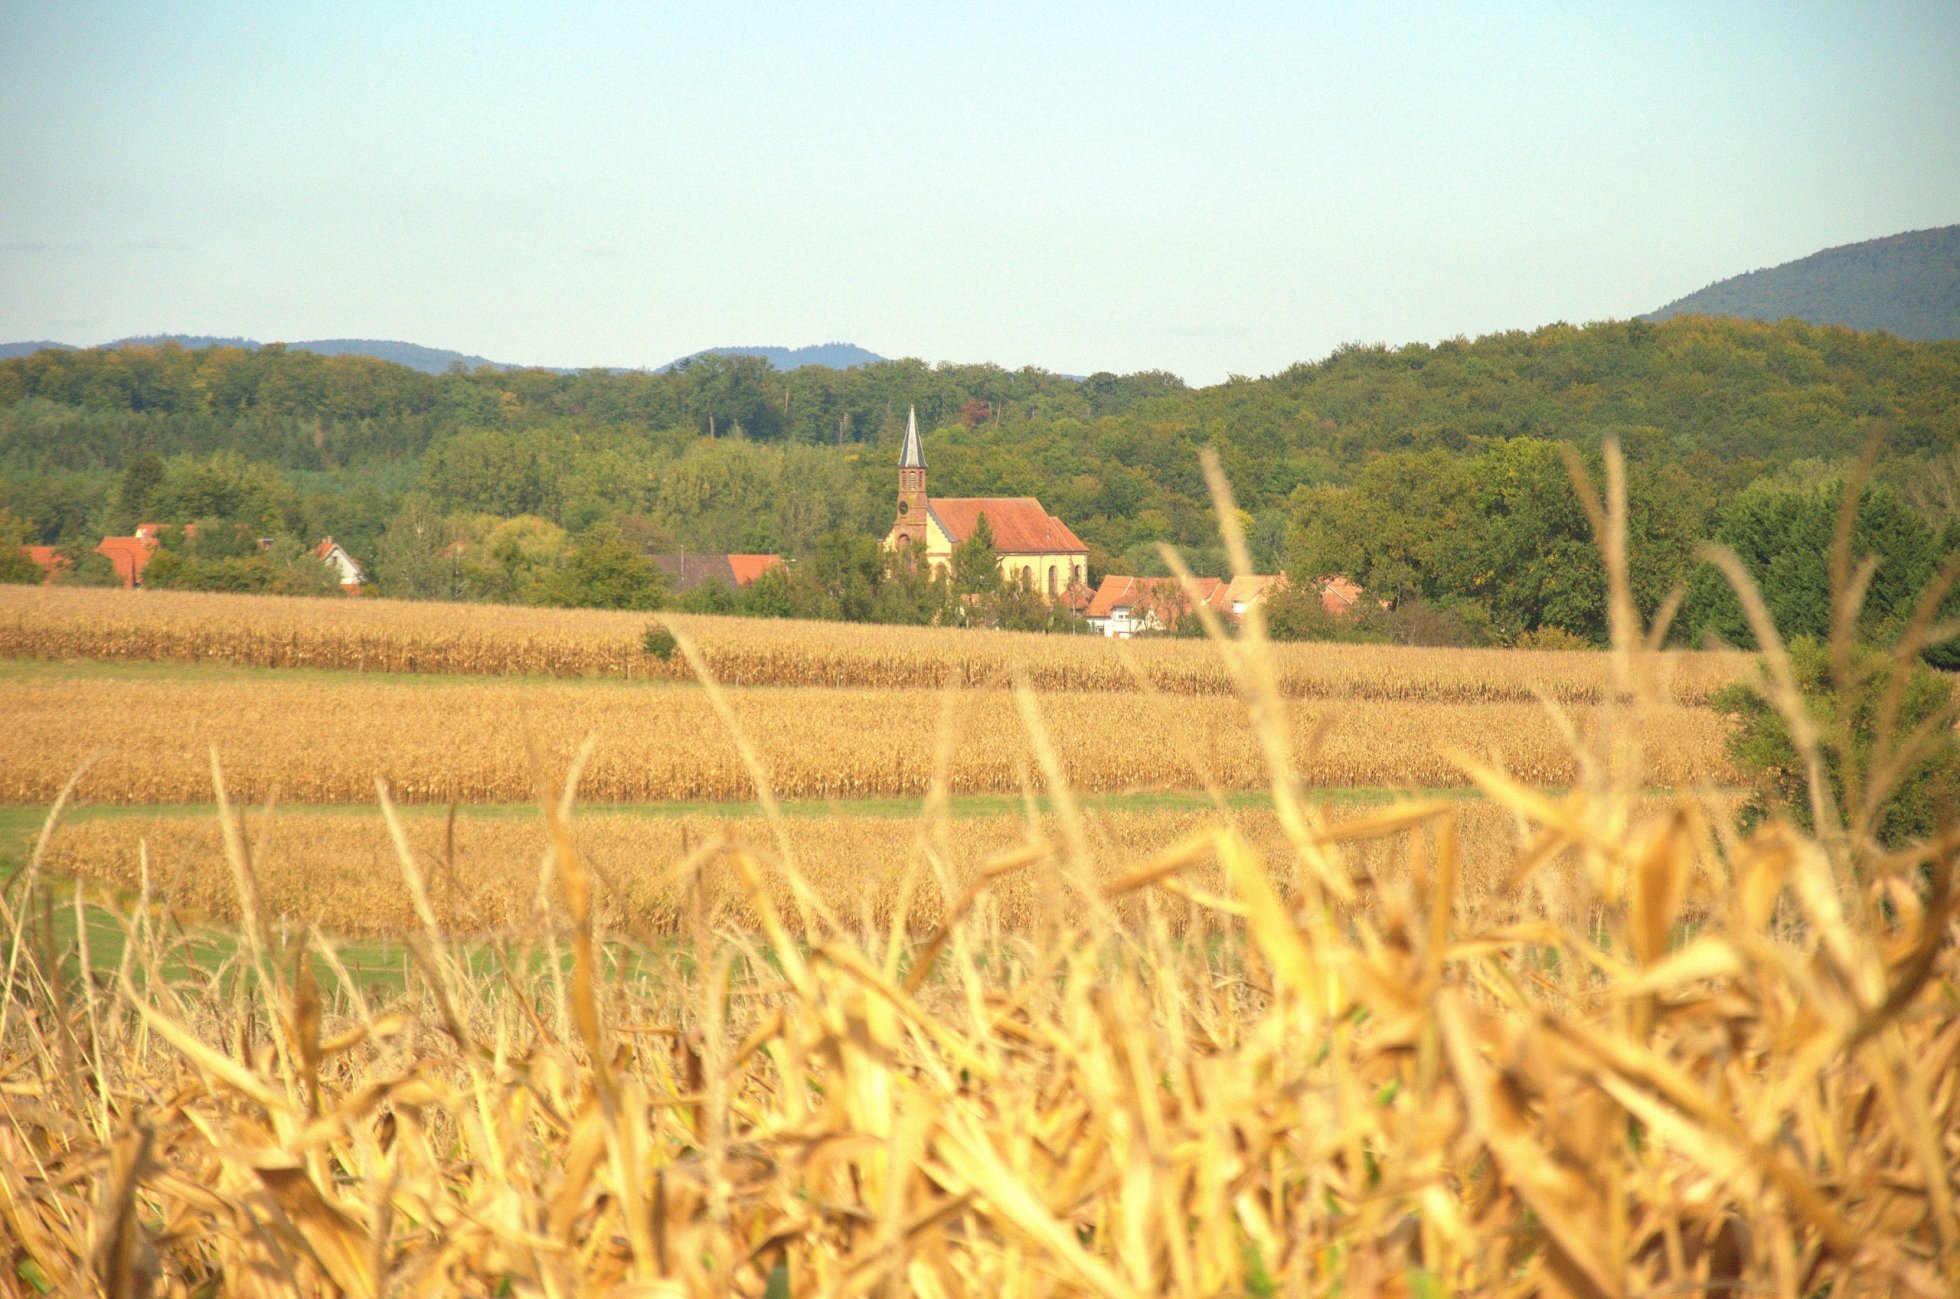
[315,740]
[337,870]
[386,636]
[1641,1056]
[1572,1033]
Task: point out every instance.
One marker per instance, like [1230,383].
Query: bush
[1462,624]
[602,572]
[1552,638]
[659,642]
[88,567]
[1847,723]
[1298,614]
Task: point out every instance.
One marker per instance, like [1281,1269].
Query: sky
[1210,189]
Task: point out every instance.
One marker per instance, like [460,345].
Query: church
[1027,537]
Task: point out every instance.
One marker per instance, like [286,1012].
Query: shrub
[1846,719]
[659,642]
[1552,638]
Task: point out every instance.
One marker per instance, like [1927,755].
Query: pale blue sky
[1202,188]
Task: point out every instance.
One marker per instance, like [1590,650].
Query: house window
[1051,581]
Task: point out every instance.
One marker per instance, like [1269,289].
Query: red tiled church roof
[1020,525]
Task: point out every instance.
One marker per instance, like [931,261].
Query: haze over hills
[1905,284]
[436,360]
[429,360]
[832,356]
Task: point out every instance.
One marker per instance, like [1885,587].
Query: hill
[10,350]
[429,360]
[1907,284]
[832,356]
[436,360]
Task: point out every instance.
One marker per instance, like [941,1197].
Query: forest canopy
[1430,473]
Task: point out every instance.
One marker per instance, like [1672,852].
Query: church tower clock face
[904,506]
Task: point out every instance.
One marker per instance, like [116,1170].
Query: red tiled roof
[1163,595]
[1020,525]
[690,572]
[52,561]
[1338,594]
[129,556]
[1251,587]
[747,568]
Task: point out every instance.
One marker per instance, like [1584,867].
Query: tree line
[1432,474]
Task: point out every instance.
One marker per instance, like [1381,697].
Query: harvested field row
[1407,1098]
[312,739]
[339,870]
[500,640]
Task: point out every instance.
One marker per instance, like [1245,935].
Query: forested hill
[437,360]
[837,356]
[730,454]
[429,360]
[1906,284]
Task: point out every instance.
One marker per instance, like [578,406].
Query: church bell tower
[910,530]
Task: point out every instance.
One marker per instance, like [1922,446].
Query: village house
[129,556]
[1126,606]
[1248,590]
[1339,594]
[692,572]
[1029,540]
[51,562]
[353,579]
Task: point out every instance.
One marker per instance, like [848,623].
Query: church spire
[914,455]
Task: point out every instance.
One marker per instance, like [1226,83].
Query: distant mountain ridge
[1905,284]
[436,360]
[429,360]
[833,356]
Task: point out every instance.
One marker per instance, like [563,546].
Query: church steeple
[910,529]
[914,455]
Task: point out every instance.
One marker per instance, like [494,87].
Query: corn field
[314,740]
[337,870]
[1593,1042]
[1654,1058]
[384,636]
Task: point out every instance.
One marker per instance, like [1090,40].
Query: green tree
[15,567]
[601,572]
[1784,538]
[87,567]
[500,557]
[975,565]
[1925,790]
[295,570]
[137,487]
[415,560]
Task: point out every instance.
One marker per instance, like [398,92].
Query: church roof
[1020,525]
[914,454]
